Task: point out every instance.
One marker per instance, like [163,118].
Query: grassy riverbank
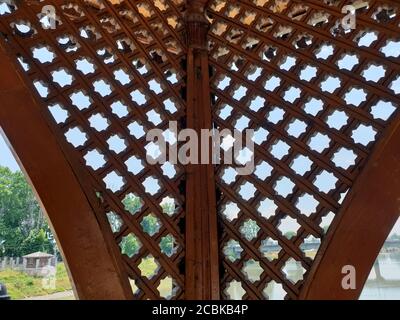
[20,285]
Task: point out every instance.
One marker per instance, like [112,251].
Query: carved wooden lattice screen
[314,96]
[318,98]
[108,73]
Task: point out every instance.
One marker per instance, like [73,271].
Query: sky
[396,228]
[6,157]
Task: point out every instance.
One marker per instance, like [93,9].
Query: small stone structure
[37,263]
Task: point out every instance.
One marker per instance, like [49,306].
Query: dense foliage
[23,229]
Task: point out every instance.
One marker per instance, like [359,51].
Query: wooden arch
[278,67]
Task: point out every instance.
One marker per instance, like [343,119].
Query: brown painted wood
[237,37]
[202,278]
[93,266]
[362,226]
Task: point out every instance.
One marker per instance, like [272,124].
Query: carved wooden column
[202,278]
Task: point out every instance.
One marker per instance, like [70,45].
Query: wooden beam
[202,265]
[368,214]
[95,269]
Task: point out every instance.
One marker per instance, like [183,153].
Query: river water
[385,286]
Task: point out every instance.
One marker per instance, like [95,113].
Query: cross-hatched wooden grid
[108,73]
[314,96]
[317,96]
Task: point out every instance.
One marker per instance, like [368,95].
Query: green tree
[37,240]
[290,234]
[23,228]
[150,224]
[394,237]
[130,245]
[132,203]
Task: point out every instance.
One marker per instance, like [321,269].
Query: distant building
[37,263]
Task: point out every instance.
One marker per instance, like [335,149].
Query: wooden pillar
[202,278]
